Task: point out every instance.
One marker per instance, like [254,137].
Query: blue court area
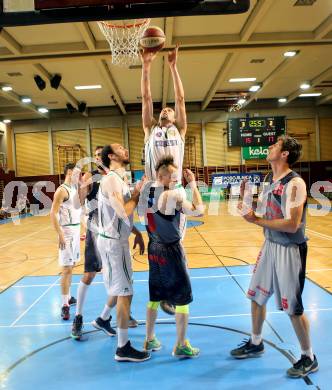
[37,352]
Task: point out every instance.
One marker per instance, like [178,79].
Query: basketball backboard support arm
[62,11]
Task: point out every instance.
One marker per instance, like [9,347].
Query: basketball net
[124,39]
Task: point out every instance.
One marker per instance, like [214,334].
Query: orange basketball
[153,39]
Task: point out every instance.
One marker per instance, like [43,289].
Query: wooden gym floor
[29,248]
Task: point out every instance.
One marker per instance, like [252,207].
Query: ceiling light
[25,100]
[242,79]
[43,110]
[282,100]
[305,85]
[241,101]
[6,121]
[255,88]
[304,2]
[39,82]
[257,60]
[79,87]
[7,88]
[310,94]
[14,74]
[291,53]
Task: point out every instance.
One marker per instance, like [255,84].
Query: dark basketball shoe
[72,301]
[248,349]
[303,367]
[104,325]
[76,330]
[65,314]
[129,354]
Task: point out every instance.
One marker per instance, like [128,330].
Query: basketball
[153,39]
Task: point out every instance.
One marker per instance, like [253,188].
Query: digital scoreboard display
[259,131]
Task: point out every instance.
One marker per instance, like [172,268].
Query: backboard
[29,12]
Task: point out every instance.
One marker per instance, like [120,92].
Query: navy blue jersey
[161,227]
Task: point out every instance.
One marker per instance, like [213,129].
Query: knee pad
[153,305]
[182,309]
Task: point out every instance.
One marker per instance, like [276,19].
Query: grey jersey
[110,224]
[275,209]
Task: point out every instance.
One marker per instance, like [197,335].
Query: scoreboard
[258,131]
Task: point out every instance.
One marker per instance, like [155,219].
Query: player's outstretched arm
[180,106]
[85,186]
[196,207]
[147,104]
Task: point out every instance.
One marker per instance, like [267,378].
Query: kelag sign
[252,152]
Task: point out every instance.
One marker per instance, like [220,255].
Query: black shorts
[92,260]
[168,276]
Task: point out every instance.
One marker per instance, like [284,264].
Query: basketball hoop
[123,39]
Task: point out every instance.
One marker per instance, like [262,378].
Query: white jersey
[110,225]
[70,210]
[163,141]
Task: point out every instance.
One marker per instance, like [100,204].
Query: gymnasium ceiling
[213,50]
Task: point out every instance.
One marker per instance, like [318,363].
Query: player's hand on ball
[147,56]
[140,242]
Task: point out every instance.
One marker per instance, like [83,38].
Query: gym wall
[35,141]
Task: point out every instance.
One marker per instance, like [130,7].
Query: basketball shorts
[92,260]
[116,264]
[280,270]
[168,274]
[71,254]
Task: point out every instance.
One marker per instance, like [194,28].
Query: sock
[256,339]
[309,353]
[81,294]
[105,314]
[122,337]
[64,300]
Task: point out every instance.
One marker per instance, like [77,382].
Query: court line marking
[329,309]
[136,281]
[322,235]
[33,304]
[146,280]
[22,238]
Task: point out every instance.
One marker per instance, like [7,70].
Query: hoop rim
[132,25]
